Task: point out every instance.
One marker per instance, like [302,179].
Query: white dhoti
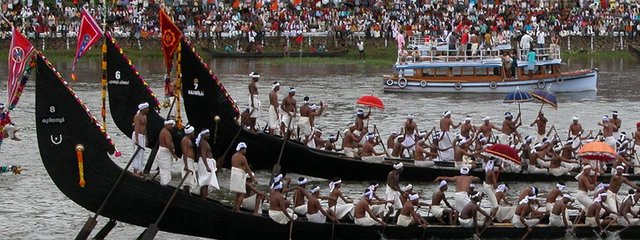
[206,178]
[285,118]
[238,180]
[249,203]
[404,221]
[491,194]
[423,163]
[616,135]
[583,198]
[611,141]
[341,210]
[300,210]
[189,181]
[612,201]
[138,159]
[395,196]
[535,169]
[558,171]
[373,159]
[274,119]
[378,209]
[445,143]
[538,139]
[279,216]
[591,222]
[505,139]
[350,152]
[466,223]
[437,211]
[305,126]
[636,161]
[311,143]
[632,221]
[543,164]
[528,222]
[462,199]
[255,109]
[505,213]
[317,217]
[366,221]
[409,142]
[557,221]
[164,159]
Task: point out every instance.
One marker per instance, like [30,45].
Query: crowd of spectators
[365,18]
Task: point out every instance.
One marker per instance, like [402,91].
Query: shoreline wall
[568,43]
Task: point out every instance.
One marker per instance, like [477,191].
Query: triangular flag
[88,35]
[171,36]
[19,53]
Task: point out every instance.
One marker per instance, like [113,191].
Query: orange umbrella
[597,151]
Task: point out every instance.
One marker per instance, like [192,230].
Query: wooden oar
[152,230]
[226,151]
[529,229]
[607,227]
[91,222]
[381,142]
[154,151]
[276,168]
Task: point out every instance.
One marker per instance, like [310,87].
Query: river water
[31,207]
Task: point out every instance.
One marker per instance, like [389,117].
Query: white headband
[200,136]
[303,181]
[277,178]
[314,190]
[254,75]
[502,188]
[397,165]
[620,167]
[605,118]
[442,184]
[476,195]
[614,113]
[332,185]
[292,90]
[508,114]
[468,118]
[414,196]
[560,186]
[277,186]
[575,118]
[368,193]
[409,116]
[407,188]
[143,105]
[524,201]
[275,85]
[169,122]
[486,118]
[567,196]
[447,113]
[464,170]
[241,146]
[189,130]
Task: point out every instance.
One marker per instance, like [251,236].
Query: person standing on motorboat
[254,111]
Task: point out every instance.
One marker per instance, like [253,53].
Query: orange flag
[274,5]
[236,4]
[259,4]
[171,36]
[297,2]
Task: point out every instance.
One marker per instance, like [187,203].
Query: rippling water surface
[31,206]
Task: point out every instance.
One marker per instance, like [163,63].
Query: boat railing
[542,54]
[433,55]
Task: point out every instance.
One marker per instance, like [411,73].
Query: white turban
[241,146]
[468,118]
[409,116]
[292,90]
[502,188]
[487,118]
[373,186]
[302,181]
[599,197]
[313,106]
[508,114]
[605,118]
[442,184]
[614,113]
[368,193]
[407,188]
[414,196]
[200,136]
[314,189]
[143,105]
[254,75]
[397,165]
[332,185]
[275,85]
[170,122]
[560,186]
[529,138]
[277,185]
[464,170]
[477,195]
[567,196]
[189,130]
[575,118]
[277,178]
[447,113]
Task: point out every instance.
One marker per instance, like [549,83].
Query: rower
[486,129]
[391,142]
[254,111]
[274,114]
[360,129]
[408,215]
[330,144]
[536,159]
[553,195]
[636,149]
[299,206]
[341,210]
[541,123]
[393,190]
[510,129]
[466,129]
[315,140]
[315,212]
[524,208]
[253,197]
[303,123]
[288,112]
[139,137]
[501,194]
[490,183]
[585,185]
[278,210]
[409,131]
[463,183]
[188,159]
[369,154]
[626,216]
[377,203]
[558,213]
[528,191]
[206,165]
[593,212]
[166,152]
[362,212]
[316,111]
[239,171]
[575,129]
[617,122]
[436,204]
[469,214]
[351,142]
[445,138]
[422,157]
[462,155]
[614,187]
[558,165]
[607,131]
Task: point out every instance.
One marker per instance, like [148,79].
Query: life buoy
[560,80]
[493,85]
[541,84]
[389,82]
[402,82]
[457,86]
[423,83]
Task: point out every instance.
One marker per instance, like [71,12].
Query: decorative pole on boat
[171,36]
[103,81]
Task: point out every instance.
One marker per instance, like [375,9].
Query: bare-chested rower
[436,204]
[408,215]
[274,113]
[139,137]
[188,159]
[362,213]
[315,212]
[409,131]
[614,187]
[553,195]
[607,131]
[558,213]
[486,129]
[593,212]
[466,129]
[510,129]
[469,214]
[359,121]
[166,152]
[617,122]
[239,170]
[254,100]
[351,142]
[316,111]
[541,122]
[575,129]
[288,112]
[445,126]
[463,181]
[627,217]
[586,183]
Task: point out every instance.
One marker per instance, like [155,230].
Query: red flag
[274,5]
[171,36]
[236,4]
[296,2]
[259,4]
[299,39]
[19,53]
[88,35]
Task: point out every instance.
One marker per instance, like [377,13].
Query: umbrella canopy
[545,97]
[504,152]
[597,151]
[518,97]
[370,101]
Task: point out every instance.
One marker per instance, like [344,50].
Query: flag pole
[178,85]
[103,81]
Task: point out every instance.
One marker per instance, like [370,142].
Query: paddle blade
[150,233]
[86,229]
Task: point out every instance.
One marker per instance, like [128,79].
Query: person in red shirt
[6,125]
[464,42]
